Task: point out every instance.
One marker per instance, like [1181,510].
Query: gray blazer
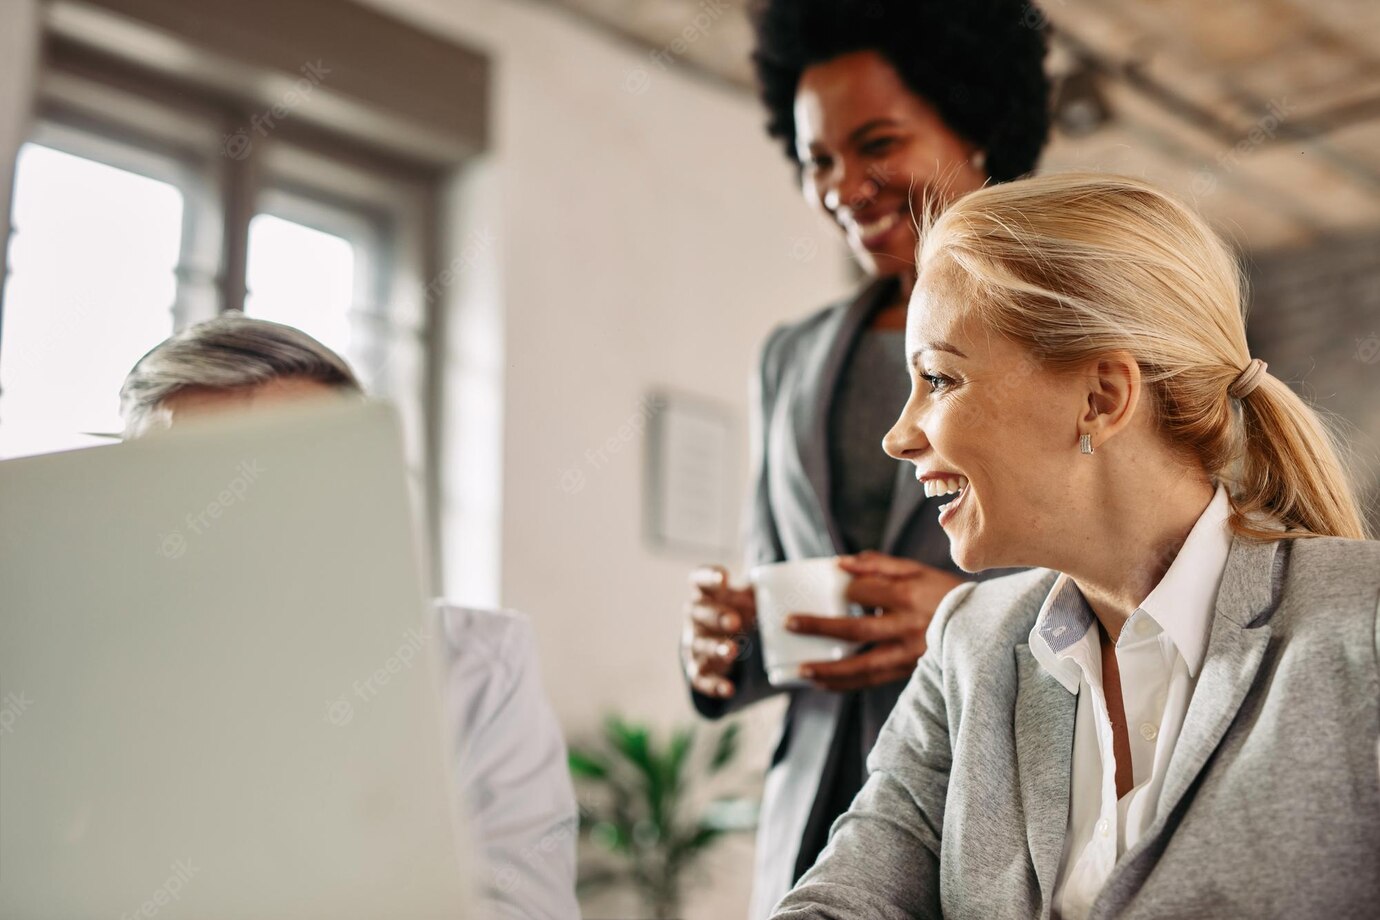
[1271,804]
[790,518]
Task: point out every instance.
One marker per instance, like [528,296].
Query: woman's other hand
[720,622]
[907,593]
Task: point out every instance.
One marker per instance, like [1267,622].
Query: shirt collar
[1064,619]
[1185,598]
[1182,603]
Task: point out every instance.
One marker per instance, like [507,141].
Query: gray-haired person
[227,362]
[510,757]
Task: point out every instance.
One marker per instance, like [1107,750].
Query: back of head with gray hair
[229,352]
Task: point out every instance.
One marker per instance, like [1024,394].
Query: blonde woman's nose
[903,441]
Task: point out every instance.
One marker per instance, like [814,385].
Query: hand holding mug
[907,593]
[719,620]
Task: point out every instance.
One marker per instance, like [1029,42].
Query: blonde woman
[1176,713]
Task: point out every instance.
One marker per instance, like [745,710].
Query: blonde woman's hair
[1073,266]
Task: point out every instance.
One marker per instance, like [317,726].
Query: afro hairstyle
[979,63]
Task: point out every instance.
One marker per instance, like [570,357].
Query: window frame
[98,107]
[121,154]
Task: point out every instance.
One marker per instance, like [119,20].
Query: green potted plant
[636,807]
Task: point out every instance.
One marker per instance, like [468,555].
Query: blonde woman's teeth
[937,487]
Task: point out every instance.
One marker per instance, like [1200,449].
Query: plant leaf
[646,789]
[673,766]
[684,850]
[632,741]
[585,765]
[726,749]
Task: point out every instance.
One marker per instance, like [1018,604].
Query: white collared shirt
[511,766]
[1159,654]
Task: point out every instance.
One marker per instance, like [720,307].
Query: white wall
[647,234]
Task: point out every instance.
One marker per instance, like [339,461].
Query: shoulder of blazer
[998,612]
[1338,569]
[790,337]
[1353,563]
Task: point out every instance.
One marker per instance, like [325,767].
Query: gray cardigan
[1271,805]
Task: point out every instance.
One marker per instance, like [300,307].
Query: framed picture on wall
[691,502]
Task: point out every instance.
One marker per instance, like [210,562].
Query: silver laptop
[218,680]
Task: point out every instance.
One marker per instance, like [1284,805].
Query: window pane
[93,261]
[302,277]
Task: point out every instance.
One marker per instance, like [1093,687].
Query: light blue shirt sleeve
[510,765]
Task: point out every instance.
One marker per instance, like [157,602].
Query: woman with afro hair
[883,107]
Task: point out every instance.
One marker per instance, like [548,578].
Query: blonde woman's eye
[937,382]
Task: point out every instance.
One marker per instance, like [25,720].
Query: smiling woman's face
[870,150]
[984,414]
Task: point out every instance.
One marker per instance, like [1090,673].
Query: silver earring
[978,160]
[1085,444]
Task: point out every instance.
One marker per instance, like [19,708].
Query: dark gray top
[871,393]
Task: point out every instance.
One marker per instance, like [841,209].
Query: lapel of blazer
[1235,650]
[1044,721]
[823,366]
[1234,653]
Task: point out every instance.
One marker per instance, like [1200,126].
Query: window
[133,219]
[160,189]
[321,266]
[93,281]
[302,277]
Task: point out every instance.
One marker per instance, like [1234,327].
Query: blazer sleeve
[882,860]
[763,542]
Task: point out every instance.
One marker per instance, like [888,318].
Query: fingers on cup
[715,656]
[714,619]
[881,665]
[874,591]
[744,601]
[871,562]
[850,629]
[712,685]
[709,578]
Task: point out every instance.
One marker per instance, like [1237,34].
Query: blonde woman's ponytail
[1289,469]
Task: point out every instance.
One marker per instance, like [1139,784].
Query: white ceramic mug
[816,587]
